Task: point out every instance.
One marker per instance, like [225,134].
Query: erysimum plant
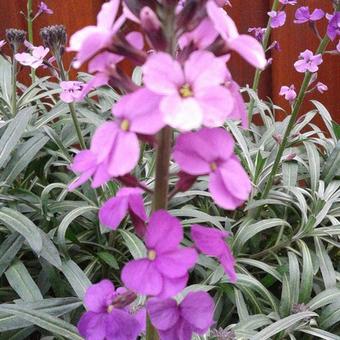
[153,201]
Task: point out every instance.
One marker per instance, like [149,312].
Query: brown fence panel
[293,39]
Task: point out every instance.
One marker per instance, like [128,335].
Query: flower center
[213,166]
[151,255]
[186,91]
[110,309]
[125,125]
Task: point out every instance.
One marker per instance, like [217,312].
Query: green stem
[14,82]
[258,72]
[72,108]
[30,31]
[292,121]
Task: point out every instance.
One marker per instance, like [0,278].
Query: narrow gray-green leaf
[134,244]
[21,224]
[21,281]
[8,250]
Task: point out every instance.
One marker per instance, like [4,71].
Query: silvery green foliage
[52,246]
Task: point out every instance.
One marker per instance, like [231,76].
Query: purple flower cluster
[189,88]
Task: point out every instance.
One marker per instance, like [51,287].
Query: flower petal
[163,313]
[164,232]
[113,212]
[99,296]
[142,277]
[92,326]
[171,287]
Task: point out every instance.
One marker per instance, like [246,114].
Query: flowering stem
[258,72]
[71,106]
[292,120]
[30,31]
[14,82]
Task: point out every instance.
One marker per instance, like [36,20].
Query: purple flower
[164,271]
[288,2]
[33,59]
[210,151]
[178,322]
[104,64]
[258,32]
[321,87]
[43,8]
[191,96]
[107,316]
[303,15]
[333,28]
[245,45]
[91,39]
[308,62]
[127,200]
[288,92]
[212,243]
[71,91]
[114,148]
[278,18]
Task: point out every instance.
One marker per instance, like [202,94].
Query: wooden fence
[293,39]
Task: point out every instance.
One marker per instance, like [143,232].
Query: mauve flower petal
[216,103]
[239,111]
[103,140]
[176,264]
[236,179]
[91,45]
[103,61]
[223,24]
[163,313]
[135,39]
[66,97]
[101,176]
[81,180]
[300,66]
[141,108]
[92,326]
[99,296]
[136,206]
[203,70]
[120,325]
[84,160]
[193,153]
[317,14]
[107,14]
[171,287]
[78,38]
[162,74]
[202,36]
[124,154]
[142,277]
[98,80]
[228,263]
[113,212]
[197,308]
[250,49]
[209,241]
[164,232]
[184,114]
[220,194]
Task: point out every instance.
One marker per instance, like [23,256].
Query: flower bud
[54,37]
[153,29]
[191,15]
[15,37]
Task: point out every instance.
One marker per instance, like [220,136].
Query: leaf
[109,259]
[5,79]
[22,156]
[43,320]
[307,273]
[13,133]
[21,224]
[324,298]
[21,281]
[76,277]
[290,173]
[67,220]
[282,325]
[49,251]
[241,306]
[314,165]
[246,231]
[9,249]
[326,265]
[134,244]
[294,277]
[320,334]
